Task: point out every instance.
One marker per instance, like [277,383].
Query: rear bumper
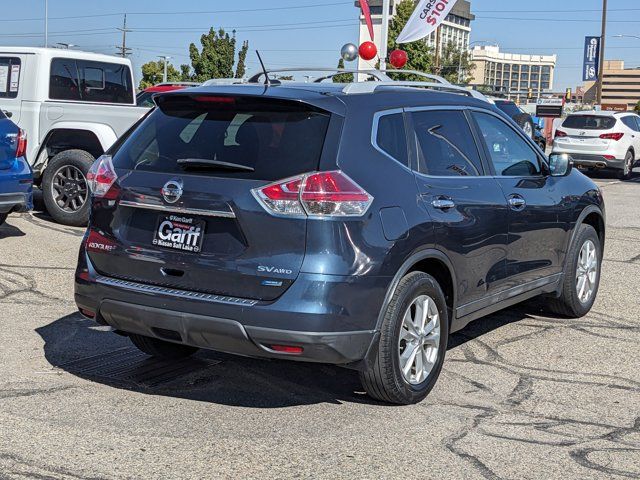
[593,161]
[332,318]
[16,188]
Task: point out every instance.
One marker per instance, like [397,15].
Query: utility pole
[46,23]
[124,50]
[165,58]
[384,34]
[602,57]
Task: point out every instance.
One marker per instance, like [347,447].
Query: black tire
[75,159]
[627,170]
[568,304]
[524,120]
[160,348]
[3,217]
[384,380]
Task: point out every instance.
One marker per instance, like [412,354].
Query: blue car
[16,178]
[356,225]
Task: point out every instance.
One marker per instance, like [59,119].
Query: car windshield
[589,122]
[509,108]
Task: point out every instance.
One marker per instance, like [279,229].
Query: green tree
[185,73]
[343,77]
[153,73]
[217,56]
[637,108]
[419,53]
[241,69]
[457,66]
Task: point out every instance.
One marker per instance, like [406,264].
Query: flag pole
[384,34]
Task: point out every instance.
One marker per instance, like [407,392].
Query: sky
[292,33]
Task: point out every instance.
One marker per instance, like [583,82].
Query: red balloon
[368,50]
[398,58]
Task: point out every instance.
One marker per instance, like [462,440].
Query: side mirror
[7,114]
[560,164]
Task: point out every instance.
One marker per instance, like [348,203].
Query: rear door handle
[442,203]
[516,202]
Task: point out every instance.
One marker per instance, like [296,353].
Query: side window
[637,118]
[510,153]
[445,144]
[391,137]
[64,83]
[632,122]
[105,82]
[9,77]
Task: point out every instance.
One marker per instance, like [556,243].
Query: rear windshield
[589,122]
[509,108]
[256,138]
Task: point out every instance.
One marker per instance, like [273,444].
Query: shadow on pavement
[80,347]
[7,230]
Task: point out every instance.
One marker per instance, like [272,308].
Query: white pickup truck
[73,106]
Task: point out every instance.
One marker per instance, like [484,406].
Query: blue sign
[591,59]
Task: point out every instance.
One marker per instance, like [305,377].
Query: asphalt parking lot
[522,395]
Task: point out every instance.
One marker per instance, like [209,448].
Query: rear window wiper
[215,164]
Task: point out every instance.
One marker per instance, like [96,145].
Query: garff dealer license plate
[179,233]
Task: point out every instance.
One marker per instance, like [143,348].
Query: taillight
[612,136]
[21,143]
[560,134]
[101,177]
[321,194]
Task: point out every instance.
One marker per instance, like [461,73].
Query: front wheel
[413,342]
[64,187]
[581,275]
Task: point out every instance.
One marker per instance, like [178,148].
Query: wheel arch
[93,138]
[593,216]
[435,263]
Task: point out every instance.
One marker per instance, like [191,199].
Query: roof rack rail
[370,87]
[377,74]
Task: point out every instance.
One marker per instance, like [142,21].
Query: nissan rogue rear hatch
[179,209]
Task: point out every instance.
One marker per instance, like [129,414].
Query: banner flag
[364,6]
[425,19]
[591,59]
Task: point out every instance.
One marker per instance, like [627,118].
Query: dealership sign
[425,19]
[549,107]
[591,59]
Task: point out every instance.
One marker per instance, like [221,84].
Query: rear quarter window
[272,139]
[9,76]
[589,122]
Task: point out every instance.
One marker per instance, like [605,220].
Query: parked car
[356,225]
[73,106]
[540,138]
[598,140]
[16,180]
[145,97]
[523,119]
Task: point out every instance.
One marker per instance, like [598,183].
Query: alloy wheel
[586,271]
[69,188]
[628,164]
[419,339]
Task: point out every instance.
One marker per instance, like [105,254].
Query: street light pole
[602,57]
[384,34]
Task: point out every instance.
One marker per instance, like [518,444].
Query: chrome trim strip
[153,289]
[174,209]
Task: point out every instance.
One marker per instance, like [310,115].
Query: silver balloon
[349,52]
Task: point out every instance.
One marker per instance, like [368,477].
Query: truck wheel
[413,342]
[64,187]
[3,217]
[581,275]
[159,348]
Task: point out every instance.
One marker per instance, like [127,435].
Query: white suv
[601,140]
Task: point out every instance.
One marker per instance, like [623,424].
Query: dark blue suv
[356,226]
[16,178]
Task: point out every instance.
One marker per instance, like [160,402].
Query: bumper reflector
[287,349]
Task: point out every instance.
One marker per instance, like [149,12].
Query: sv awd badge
[282,271]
